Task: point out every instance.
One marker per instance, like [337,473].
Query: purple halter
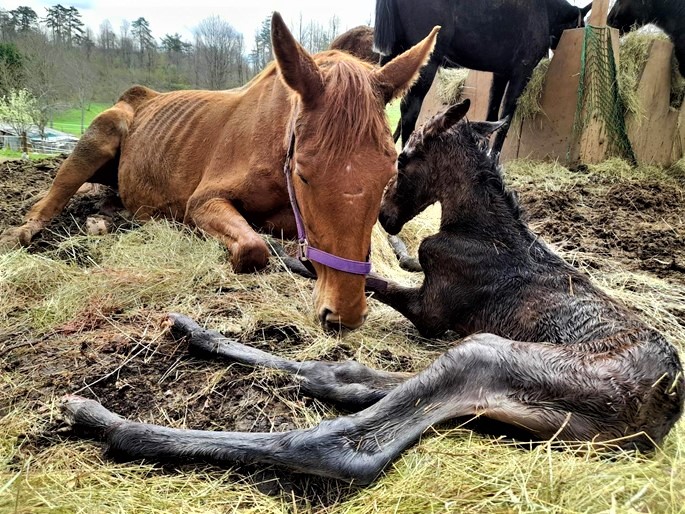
[304,250]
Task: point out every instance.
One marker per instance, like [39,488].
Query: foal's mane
[490,172]
[353,109]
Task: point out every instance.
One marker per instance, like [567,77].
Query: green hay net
[598,94]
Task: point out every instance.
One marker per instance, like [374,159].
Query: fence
[38,146]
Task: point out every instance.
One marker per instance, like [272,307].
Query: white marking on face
[348,168]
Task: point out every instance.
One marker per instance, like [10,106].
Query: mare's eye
[302,178]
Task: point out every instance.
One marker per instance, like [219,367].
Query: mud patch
[26,182]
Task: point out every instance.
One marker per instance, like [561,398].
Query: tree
[216,49]
[80,77]
[140,29]
[11,68]
[175,48]
[7,27]
[24,18]
[73,27]
[262,53]
[18,110]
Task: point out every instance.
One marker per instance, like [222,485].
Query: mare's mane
[353,110]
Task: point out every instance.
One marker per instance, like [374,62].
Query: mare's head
[626,14]
[446,160]
[343,157]
[564,16]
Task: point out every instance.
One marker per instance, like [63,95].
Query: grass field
[70,121]
[87,315]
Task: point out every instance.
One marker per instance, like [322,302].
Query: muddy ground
[638,225]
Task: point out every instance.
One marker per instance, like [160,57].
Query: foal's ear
[399,74]
[448,119]
[298,69]
[487,128]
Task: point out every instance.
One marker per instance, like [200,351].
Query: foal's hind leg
[96,147]
[474,378]
[349,385]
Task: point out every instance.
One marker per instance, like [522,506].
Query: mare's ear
[298,69]
[586,9]
[399,74]
[446,120]
[487,128]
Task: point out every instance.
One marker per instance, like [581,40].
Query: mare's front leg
[218,217]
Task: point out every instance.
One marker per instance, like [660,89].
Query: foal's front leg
[426,311]
[349,384]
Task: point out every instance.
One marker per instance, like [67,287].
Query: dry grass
[125,281]
[635,48]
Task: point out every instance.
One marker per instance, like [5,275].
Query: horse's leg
[410,107]
[95,149]
[514,89]
[406,262]
[497,88]
[426,312]
[350,385]
[220,219]
[539,387]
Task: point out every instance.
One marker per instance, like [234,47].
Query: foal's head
[343,157]
[446,160]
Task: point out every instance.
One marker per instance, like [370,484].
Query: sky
[171,16]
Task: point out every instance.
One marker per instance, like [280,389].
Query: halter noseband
[304,250]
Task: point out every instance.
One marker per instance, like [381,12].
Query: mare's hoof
[250,257]
[15,237]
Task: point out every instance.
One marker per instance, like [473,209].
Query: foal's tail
[386,29]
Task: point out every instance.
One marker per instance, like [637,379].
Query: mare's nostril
[323,314]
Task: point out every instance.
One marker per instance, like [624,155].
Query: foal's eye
[402,160]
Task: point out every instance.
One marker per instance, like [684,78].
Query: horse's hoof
[411,264]
[14,238]
[87,413]
[251,257]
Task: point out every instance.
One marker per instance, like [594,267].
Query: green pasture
[69,121]
[6,154]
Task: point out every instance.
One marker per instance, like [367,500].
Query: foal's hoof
[83,412]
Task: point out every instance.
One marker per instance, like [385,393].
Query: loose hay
[86,314]
[635,48]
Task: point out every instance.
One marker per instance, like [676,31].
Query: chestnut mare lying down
[550,353]
[215,160]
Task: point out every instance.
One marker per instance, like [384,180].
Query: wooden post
[599,13]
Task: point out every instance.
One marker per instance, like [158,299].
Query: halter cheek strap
[304,250]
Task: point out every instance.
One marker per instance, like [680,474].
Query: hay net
[598,94]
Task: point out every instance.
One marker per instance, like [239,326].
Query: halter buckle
[302,246]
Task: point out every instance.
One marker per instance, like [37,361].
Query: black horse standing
[505,37]
[668,15]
